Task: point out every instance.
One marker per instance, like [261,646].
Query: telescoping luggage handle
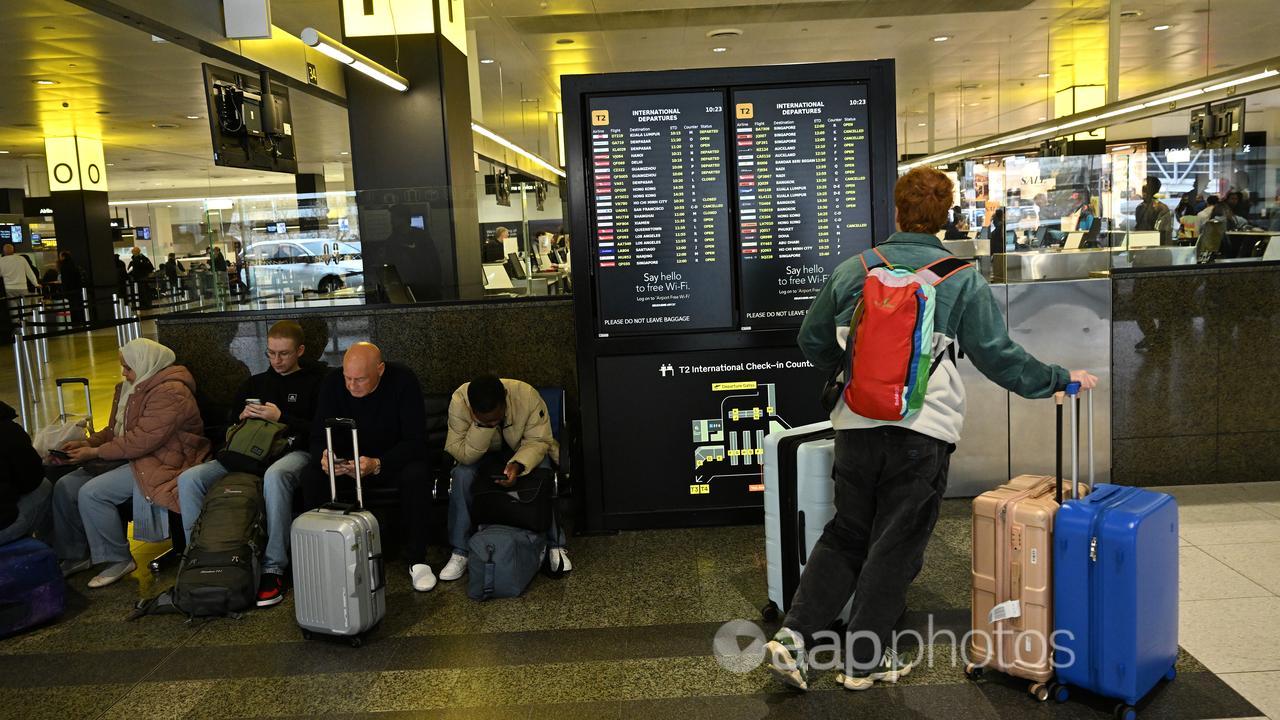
[329,425]
[1073,391]
[88,403]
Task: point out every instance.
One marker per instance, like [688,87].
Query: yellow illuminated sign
[75,163]
[748,385]
[371,18]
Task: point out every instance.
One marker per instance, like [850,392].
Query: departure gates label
[804,194]
[660,213]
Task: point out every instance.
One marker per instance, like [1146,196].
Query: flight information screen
[804,194]
[659,203]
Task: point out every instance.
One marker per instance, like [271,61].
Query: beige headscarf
[146,358]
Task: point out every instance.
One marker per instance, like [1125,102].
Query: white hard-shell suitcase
[799,501]
[339,579]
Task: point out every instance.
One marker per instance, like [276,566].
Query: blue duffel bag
[501,561]
[32,591]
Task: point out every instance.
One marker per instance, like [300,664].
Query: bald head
[362,368]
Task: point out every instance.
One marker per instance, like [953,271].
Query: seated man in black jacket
[386,403]
[24,492]
[284,393]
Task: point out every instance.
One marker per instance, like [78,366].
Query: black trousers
[888,488]
[414,503]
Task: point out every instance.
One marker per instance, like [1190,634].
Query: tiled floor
[1230,585]
[627,634]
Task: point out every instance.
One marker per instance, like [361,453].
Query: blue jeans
[464,476]
[86,518]
[33,508]
[278,484]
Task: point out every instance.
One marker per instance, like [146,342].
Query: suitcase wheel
[1125,712]
[306,634]
[769,612]
[1039,691]
[356,641]
[973,672]
[1059,692]
[1173,673]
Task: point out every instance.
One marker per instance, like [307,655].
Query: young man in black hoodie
[24,492]
[285,393]
[385,400]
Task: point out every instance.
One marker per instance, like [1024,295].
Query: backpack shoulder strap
[873,258]
[943,268]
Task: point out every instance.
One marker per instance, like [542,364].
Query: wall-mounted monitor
[250,121]
[1218,126]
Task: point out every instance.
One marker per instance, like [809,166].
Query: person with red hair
[890,475]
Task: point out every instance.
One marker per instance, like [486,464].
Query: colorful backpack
[891,336]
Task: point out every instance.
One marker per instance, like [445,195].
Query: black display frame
[877,75]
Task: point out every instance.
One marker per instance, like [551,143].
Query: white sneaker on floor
[559,560]
[455,568]
[113,573]
[423,579]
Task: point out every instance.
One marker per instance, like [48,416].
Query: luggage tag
[1005,611]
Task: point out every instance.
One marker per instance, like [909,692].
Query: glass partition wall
[1029,217]
[288,249]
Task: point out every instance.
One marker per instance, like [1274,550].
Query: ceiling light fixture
[486,61]
[193,117]
[922,124]
[941,38]
[345,55]
[1044,75]
[1248,79]
[4,152]
[486,132]
[43,81]
[344,152]
[1161,28]
[719,49]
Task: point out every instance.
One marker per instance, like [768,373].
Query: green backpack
[253,444]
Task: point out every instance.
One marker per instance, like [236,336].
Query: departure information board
[804,194]
[659,203]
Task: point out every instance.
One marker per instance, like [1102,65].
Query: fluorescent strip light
[1173,98]
[1121,111]
[1078,123]
[335,53]
[345,55]
[1230,83]
[379,76]
[482,130]
[229,198]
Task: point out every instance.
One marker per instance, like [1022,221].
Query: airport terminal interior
[621,227]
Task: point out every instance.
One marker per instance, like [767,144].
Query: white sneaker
[113,573]
[455,568]
[559,560]
[423,579]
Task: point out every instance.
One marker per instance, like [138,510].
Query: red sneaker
[270,589]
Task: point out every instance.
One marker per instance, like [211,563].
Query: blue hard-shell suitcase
[32,591]
[1116,593]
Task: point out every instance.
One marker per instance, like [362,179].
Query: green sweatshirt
[966,314]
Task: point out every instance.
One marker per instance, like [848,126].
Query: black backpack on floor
[219,570]
[218,575]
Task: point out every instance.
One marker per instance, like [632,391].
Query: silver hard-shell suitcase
[339,579]
[799,501]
